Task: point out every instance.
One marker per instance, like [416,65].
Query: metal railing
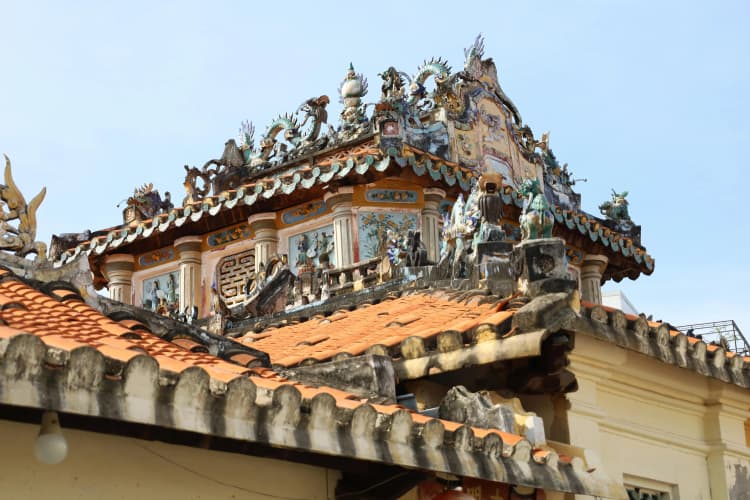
[724,333]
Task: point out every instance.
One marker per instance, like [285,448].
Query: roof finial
[14,207]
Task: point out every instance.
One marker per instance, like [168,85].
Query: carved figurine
[316,115]
[392,88]
[490,207]
[354,122]
[145,204]
[14,207]
[302,247]
[323,248]
[247,136]
[458,233]
[536,219]
[416,250]
[617,208]
[232,157]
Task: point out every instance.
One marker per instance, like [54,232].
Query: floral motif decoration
[304,212]
[391,196]
[160,256]
[235,233]
[378,229]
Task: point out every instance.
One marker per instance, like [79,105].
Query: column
[265,235]
[343,240]
[118,269]
[592,268]
[431,222]
[189,253]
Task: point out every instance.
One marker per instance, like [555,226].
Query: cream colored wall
[657,424]
[104,466]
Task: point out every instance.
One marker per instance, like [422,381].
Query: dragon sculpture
[14,207]
[145,204]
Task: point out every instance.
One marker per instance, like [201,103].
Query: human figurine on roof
[490,207]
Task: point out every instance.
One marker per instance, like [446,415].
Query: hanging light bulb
[50,446]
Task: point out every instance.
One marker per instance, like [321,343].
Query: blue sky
[649,97]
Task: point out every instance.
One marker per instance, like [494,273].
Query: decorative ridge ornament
[14,207]
[617,208]
[536,219]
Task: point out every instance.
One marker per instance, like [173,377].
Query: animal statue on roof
[419,100]
[231,157]
[145,204]
[272,150]
[246,136]
[392,88]
[316,115]
[536,219]
[529,144]
[13,207]
[617,208]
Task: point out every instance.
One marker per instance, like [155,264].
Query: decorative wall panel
[161,293]
[232,274]
[373,230]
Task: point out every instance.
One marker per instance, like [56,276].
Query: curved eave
[284,184]
[610,242]
[308,176]
[253,408]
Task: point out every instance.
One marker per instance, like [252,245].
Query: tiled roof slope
[663,342]
[402,327]
[57,352]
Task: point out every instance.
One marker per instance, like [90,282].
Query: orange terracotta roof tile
[70,324]
[424,314]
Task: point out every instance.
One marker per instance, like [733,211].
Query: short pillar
[118,269]
[539,266]
[592,269]
[266,237]
[189,253]
[343,221]
[431,222]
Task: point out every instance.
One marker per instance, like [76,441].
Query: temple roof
[445,138]
[53,343]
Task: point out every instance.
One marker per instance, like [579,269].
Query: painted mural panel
[161,293]
[373,230]
[312,249]
[485,141]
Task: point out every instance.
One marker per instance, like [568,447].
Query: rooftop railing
[724,333]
